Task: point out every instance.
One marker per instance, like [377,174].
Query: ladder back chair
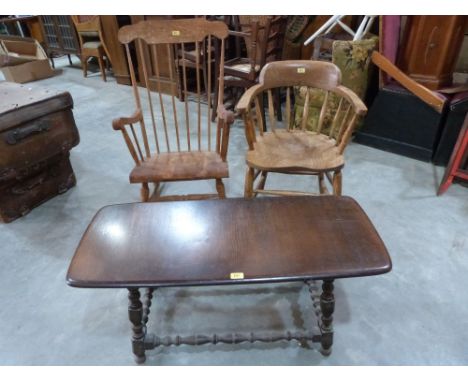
[181,142]
[287,147]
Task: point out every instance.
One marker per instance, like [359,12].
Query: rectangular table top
[227,241]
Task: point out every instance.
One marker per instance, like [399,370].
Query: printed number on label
[237,275]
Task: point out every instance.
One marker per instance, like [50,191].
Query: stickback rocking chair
[291,149]
[186,146]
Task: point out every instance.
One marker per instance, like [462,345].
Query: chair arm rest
[225,119]
[225,115]
[119,123]
[359,106]
[247,97]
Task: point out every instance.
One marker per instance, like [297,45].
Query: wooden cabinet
[59,35]
[430,49]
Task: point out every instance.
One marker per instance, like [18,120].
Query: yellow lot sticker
[237,275]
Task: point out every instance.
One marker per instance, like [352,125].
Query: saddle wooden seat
[192,165]
[295,151]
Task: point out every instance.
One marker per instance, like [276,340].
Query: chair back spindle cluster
[161,47]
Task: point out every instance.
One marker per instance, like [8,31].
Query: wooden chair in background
[196,59]
[295,150]
[263,40]
[184,148]
[189,59]
[91,42]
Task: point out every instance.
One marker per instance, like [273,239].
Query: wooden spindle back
[337,108]
[175,57]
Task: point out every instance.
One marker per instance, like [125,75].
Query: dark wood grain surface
[203,242]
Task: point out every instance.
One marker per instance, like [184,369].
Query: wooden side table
[227,242]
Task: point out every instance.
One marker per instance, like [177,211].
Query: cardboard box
[23,60]
[29,71]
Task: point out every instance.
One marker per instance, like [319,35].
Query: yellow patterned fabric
[353,58]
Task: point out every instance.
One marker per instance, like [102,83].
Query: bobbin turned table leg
[147,300]
[135,314]
[327,305]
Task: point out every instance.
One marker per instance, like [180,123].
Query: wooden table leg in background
[327,305]
[135,314]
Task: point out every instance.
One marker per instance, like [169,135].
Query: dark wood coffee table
[227,242]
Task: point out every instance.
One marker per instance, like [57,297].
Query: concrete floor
[415,315]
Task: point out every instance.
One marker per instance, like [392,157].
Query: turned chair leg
[102,68]
[249,179]
[157,191]
[135,314]
[262,181]
[220,188]
[144,192]
[323,190]
[327,306]
[84,63]
[337,183]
